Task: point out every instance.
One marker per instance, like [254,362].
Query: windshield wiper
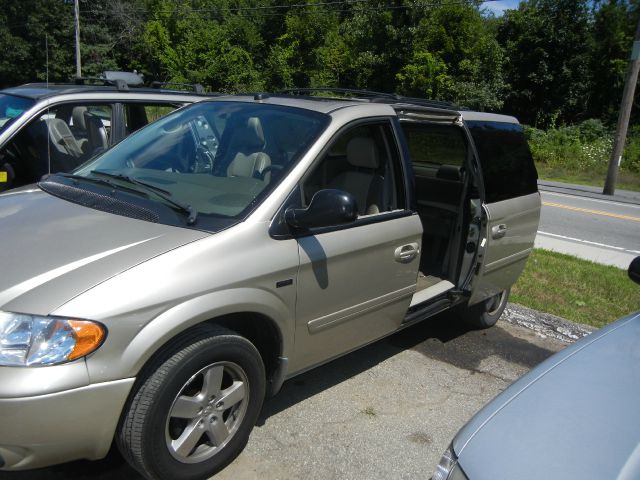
[99,181]
[192,213]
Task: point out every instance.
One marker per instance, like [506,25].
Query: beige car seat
[362,179]
[250,160]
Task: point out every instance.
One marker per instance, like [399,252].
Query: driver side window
[59,140]
[364,162]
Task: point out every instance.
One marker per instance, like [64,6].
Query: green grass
[576,289]
[594,177]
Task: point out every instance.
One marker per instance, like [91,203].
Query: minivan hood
[574,416]
[51,250]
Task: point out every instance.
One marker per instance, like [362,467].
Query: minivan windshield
[11,107]
[216,158]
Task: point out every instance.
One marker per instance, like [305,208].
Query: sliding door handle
[406,253]
[498,231]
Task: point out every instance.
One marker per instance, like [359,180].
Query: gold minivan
[153,296]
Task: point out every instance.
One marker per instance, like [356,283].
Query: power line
[304,6]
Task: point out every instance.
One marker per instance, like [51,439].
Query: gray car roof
[317,104]
[38,91]
[487,117]
[322,104]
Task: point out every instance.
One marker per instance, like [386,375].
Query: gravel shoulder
[545,324]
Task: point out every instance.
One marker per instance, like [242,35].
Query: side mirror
[327,208]
[634,270]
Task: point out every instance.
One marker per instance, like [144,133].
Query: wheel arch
[260,330]
[257,315]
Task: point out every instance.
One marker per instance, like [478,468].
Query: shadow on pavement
[441,338]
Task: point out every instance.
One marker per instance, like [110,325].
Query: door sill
[431,292]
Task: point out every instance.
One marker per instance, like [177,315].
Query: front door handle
[498,231]
[406,253]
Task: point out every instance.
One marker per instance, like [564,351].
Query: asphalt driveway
[387,411]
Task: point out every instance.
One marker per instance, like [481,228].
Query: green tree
[546,60]
[186,46]
[613,29]
[377,41]
[426,76]
[456,57]
[25,27]
[295,58]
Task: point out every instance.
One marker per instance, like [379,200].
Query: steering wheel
[203,162]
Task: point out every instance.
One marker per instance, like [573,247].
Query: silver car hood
[575,416]
[51,250]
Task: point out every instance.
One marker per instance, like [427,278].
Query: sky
[499,6]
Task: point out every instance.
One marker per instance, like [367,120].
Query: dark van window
[505,158]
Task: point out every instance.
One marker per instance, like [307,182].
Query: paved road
[387,411]
[591,226]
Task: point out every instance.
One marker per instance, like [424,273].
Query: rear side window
[137,115]
[505,158]
[431,144]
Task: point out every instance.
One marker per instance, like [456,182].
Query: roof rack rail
[374,97]
[118,83]
[195,87]
[355,93]
[424,102]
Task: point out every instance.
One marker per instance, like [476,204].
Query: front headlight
[448,468]
[31,340]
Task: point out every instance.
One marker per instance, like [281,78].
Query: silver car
[155,295]
[573,417]
[53,127]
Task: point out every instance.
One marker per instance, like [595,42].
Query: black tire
[486,313]
[160,421]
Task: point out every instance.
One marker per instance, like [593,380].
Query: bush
[567,147]
[582,147]
[592,129]
[631,157]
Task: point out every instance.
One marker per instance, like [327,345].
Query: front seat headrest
[362,152]
[250,135]
[78,117]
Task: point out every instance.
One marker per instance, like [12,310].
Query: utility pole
[77,22]
[623,116]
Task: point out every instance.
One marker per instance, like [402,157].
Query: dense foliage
[550,62]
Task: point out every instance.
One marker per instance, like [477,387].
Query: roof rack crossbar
[118,83]
[195,87]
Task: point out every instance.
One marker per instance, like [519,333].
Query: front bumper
[74,424]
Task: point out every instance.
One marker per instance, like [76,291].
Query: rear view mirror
[327,208]
[634,270]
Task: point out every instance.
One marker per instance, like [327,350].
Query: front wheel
[486,313]
[195,407]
